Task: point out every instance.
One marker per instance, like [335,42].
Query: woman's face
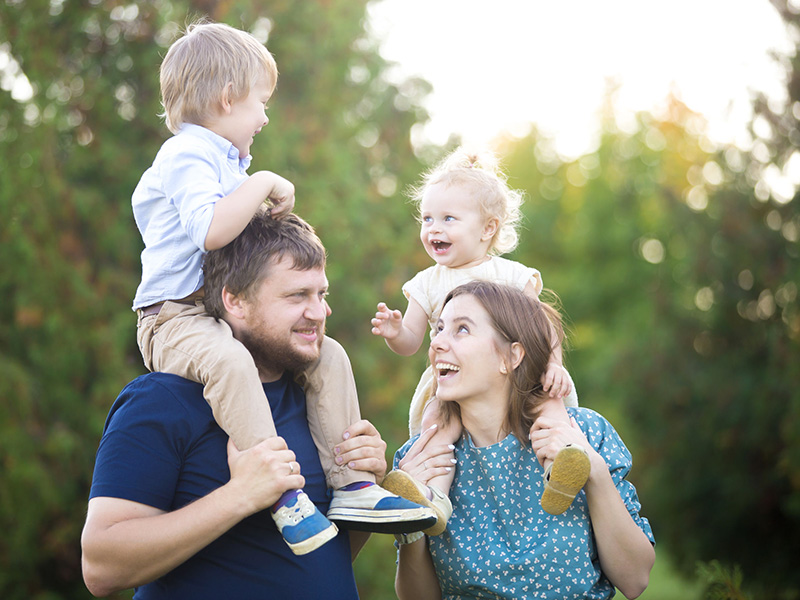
[464,353]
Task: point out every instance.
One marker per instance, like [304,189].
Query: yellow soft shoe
[565,478]
[404,485]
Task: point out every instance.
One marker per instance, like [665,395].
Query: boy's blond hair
[479,172]
[199,67]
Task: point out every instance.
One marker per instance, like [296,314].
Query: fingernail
[454,461]
[337,450]
[451,447]
[346,435]
[448,469]
[352,465]
[339,460]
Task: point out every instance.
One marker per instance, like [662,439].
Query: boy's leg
[187,341]
[332,406]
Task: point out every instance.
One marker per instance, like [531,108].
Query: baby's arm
[233,212]
[403,334]
[555,379]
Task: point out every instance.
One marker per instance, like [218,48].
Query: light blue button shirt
[173,206]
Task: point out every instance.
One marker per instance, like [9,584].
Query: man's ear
[234,305]
[490,228]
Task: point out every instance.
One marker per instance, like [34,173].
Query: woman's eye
[463,329]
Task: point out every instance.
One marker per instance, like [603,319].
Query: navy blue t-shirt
[162,447]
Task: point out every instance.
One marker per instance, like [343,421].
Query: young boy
[196,197]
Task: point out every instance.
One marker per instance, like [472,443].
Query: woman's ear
[234,305]
[517,354]
[490,228]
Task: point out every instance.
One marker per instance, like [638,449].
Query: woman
[488,362]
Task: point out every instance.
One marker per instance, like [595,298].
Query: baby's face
[453,231]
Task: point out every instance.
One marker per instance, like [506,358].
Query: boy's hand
[556,381]
[281,195]
[387,323]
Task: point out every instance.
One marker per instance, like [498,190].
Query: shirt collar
[224,145]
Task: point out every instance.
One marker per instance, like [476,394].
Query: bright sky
[500,64]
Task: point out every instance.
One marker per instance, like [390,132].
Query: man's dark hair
[243,264]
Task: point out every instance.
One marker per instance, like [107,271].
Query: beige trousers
[183,339]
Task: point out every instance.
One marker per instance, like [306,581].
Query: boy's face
[247,116]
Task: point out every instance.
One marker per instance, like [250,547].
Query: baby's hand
[282,197]
[556,381]
[387,323]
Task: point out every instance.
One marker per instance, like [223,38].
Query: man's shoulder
[161,391]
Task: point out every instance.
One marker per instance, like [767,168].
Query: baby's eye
[449,218]
[427,219]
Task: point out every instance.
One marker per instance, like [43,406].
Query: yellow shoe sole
[404,485]
[567,476]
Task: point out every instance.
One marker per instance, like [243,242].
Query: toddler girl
[468,217]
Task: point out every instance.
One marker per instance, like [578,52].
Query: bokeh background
[675,257]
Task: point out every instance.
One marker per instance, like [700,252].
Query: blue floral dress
[499,543]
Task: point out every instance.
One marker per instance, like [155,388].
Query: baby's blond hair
[480,172]
[201,64]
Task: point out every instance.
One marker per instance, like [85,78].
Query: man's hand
[362,449]
[387,323]
[261,474]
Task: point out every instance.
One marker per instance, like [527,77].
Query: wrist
[404,539]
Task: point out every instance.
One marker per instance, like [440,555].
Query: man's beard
[277,355]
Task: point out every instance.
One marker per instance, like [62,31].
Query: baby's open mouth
[439,246]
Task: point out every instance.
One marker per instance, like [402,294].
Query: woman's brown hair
[536,326]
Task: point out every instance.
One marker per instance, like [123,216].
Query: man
[176,510]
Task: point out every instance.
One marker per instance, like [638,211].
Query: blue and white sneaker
[302,526]
[366,506]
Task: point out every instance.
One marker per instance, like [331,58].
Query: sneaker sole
[568,474]
[402,484]
[385,521]
[315,541]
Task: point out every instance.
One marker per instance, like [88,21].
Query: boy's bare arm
[233,212]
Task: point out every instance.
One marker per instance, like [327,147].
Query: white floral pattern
[499,542]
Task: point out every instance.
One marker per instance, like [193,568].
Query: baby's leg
[188,342]
[566,475]
[445,435]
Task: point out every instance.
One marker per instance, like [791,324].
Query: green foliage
[721,583]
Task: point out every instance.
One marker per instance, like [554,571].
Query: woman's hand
[548,436]
[424,460]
